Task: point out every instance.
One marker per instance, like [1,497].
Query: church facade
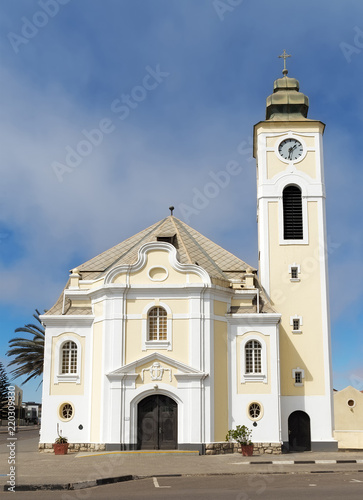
[167,341]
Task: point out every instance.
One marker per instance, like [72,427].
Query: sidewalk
[36,470]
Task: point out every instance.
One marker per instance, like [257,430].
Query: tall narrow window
[157,324]
[253,357]
[69,357]
[293,218]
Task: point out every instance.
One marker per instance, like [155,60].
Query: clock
[290,149]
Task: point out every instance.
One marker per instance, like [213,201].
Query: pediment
[130,368]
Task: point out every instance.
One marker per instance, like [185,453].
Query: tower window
[296,324]
[294,273]
[293,219]
[298,375]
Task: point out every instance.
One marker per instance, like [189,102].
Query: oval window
[158,273]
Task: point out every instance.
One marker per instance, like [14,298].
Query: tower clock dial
[290,149]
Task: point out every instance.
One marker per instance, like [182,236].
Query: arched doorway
[157,423]
[299,431]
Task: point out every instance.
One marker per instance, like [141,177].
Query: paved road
[244,487]
[29,433]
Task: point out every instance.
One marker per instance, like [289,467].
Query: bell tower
[288,148]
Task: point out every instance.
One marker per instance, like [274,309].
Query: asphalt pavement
[34,470]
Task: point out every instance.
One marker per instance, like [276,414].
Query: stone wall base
[258,448]
[73,447]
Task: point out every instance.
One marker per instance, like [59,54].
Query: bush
[241,434]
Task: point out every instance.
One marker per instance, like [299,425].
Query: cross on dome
[284,56]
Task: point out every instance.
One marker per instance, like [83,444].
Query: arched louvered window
[157,324]
[293,217]
[253,362]
[69,357]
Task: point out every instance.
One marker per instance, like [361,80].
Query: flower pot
[60,448]
[247,450]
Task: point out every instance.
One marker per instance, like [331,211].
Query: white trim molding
[142,259]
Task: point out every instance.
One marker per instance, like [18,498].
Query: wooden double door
[157,426]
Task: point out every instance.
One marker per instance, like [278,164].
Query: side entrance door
[157,423]
[299,431]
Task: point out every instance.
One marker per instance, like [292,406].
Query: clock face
[290,149]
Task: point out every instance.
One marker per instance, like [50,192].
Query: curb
[118,479]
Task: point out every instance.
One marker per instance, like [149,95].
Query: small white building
[167,340]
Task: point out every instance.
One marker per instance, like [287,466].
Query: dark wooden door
[157,423]
[299,431]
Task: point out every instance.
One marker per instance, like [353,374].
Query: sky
[113,110]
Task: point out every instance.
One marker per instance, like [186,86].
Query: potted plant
[60,446]
[242,435]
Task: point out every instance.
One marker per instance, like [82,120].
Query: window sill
[296,331]
[157,344]
[298,385]
[254,377]
[295,280]
[68,377]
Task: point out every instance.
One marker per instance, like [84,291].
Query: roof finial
[171,210]
[284,56]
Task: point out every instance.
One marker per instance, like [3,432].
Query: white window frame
[299,370]
[248,410]
[292,323]
[253,377]
[296,266]
[67,377]
[305,240]
[157,344]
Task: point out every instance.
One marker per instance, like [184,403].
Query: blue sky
[66,68]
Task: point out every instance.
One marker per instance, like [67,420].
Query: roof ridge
[152,228]
[202,249]
[181,239]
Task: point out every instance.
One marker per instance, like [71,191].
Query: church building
[167,341]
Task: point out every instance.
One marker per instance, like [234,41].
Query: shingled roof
[193,248]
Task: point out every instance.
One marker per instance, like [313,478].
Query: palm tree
[29,352]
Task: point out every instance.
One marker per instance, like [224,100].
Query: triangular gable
[155,356]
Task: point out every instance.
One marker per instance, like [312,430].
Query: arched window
[69,357]
[293,216]
[253,363]
[157,324]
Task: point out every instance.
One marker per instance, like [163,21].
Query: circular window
[351,403]
[66,411]
[254,411]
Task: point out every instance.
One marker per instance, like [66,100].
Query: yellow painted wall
[180,341]
[220,381]
[220,308]
[96,383]
[98,309]
[346,417]
[66,388]
[276,166]
[302,298]
[253,387]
